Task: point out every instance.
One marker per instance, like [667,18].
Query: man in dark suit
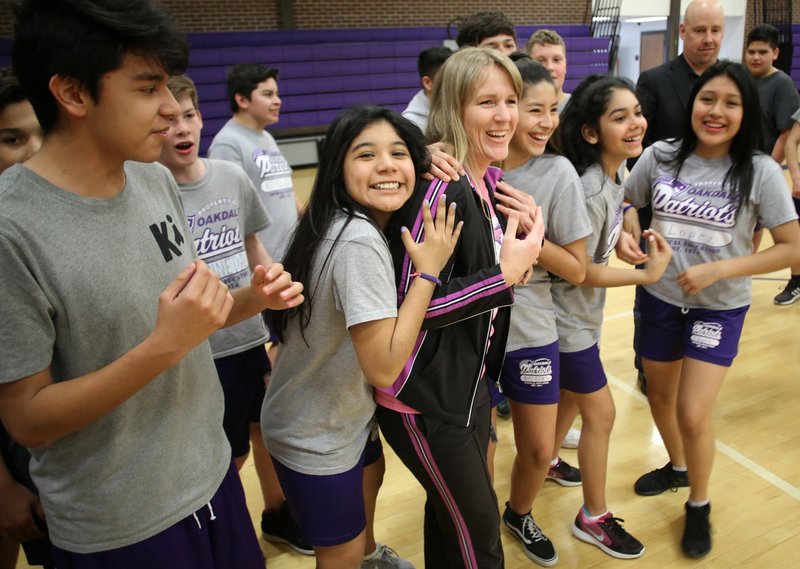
[664,90]
[664,95]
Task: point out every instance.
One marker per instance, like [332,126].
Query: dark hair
[765,33]
[481,25]
[431,59]
[745,143]
[244,78]
[588,103]
[531,71]
[10,89]
[85,39]
[329,196]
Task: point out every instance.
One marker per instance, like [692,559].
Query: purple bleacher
[795,69]
[324,71]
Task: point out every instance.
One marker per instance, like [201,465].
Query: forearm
[780,144]
[790,151]
[561,262]
[246,303]
[38,412]
[603,276]
[410,317]
[779,256]
[256,252]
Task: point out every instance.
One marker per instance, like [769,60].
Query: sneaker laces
[531,530]
[614,528]
[384,551]
[667,477]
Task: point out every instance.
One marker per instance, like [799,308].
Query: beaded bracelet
[427,277]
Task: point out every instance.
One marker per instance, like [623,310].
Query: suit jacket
[664,95]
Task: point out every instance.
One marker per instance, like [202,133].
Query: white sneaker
[572,438]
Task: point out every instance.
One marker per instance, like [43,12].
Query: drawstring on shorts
[210,511]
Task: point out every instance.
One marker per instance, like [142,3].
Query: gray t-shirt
[271,175]
[698,216]
[779,100]
[556,187]
[222,208]
[418,109]
[319,407]
[80,281]
[563,102]
[579,309]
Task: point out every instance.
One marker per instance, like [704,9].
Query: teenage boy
[548,48]
[225,216]
[428,64]
[255,104]
[488,29]
[776,90]
[105,371]
[20,138]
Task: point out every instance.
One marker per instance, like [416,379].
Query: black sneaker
[279,526]
[534,542]
[660,480]
[791,293]
[608,534]
[696,541]
[564,474]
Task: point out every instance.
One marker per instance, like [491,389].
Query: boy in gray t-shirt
[104,369]
[225,217]
[254,101]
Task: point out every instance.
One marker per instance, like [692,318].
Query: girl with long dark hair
[707,190]
[601,127]
[350,336]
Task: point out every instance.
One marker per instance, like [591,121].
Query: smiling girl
[350,336]
[601,127]
[708,190]
[530,376]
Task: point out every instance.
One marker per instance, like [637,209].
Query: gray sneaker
[386,558]
[790,294]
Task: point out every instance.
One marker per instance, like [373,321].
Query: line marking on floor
[731,453]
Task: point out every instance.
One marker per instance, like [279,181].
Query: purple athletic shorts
[219,535]
[531,375]
[582,372]
[329,509]
[670,332]
[242,378]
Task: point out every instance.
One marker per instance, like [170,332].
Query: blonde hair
[455,84]
[545,37]
[182,86]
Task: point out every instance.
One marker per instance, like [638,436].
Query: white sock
[700,504]
[555,461]
[374,554]
[679,468]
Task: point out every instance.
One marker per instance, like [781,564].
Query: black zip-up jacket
[454,350]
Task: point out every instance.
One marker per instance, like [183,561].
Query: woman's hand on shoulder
[440,238]
[443,165]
